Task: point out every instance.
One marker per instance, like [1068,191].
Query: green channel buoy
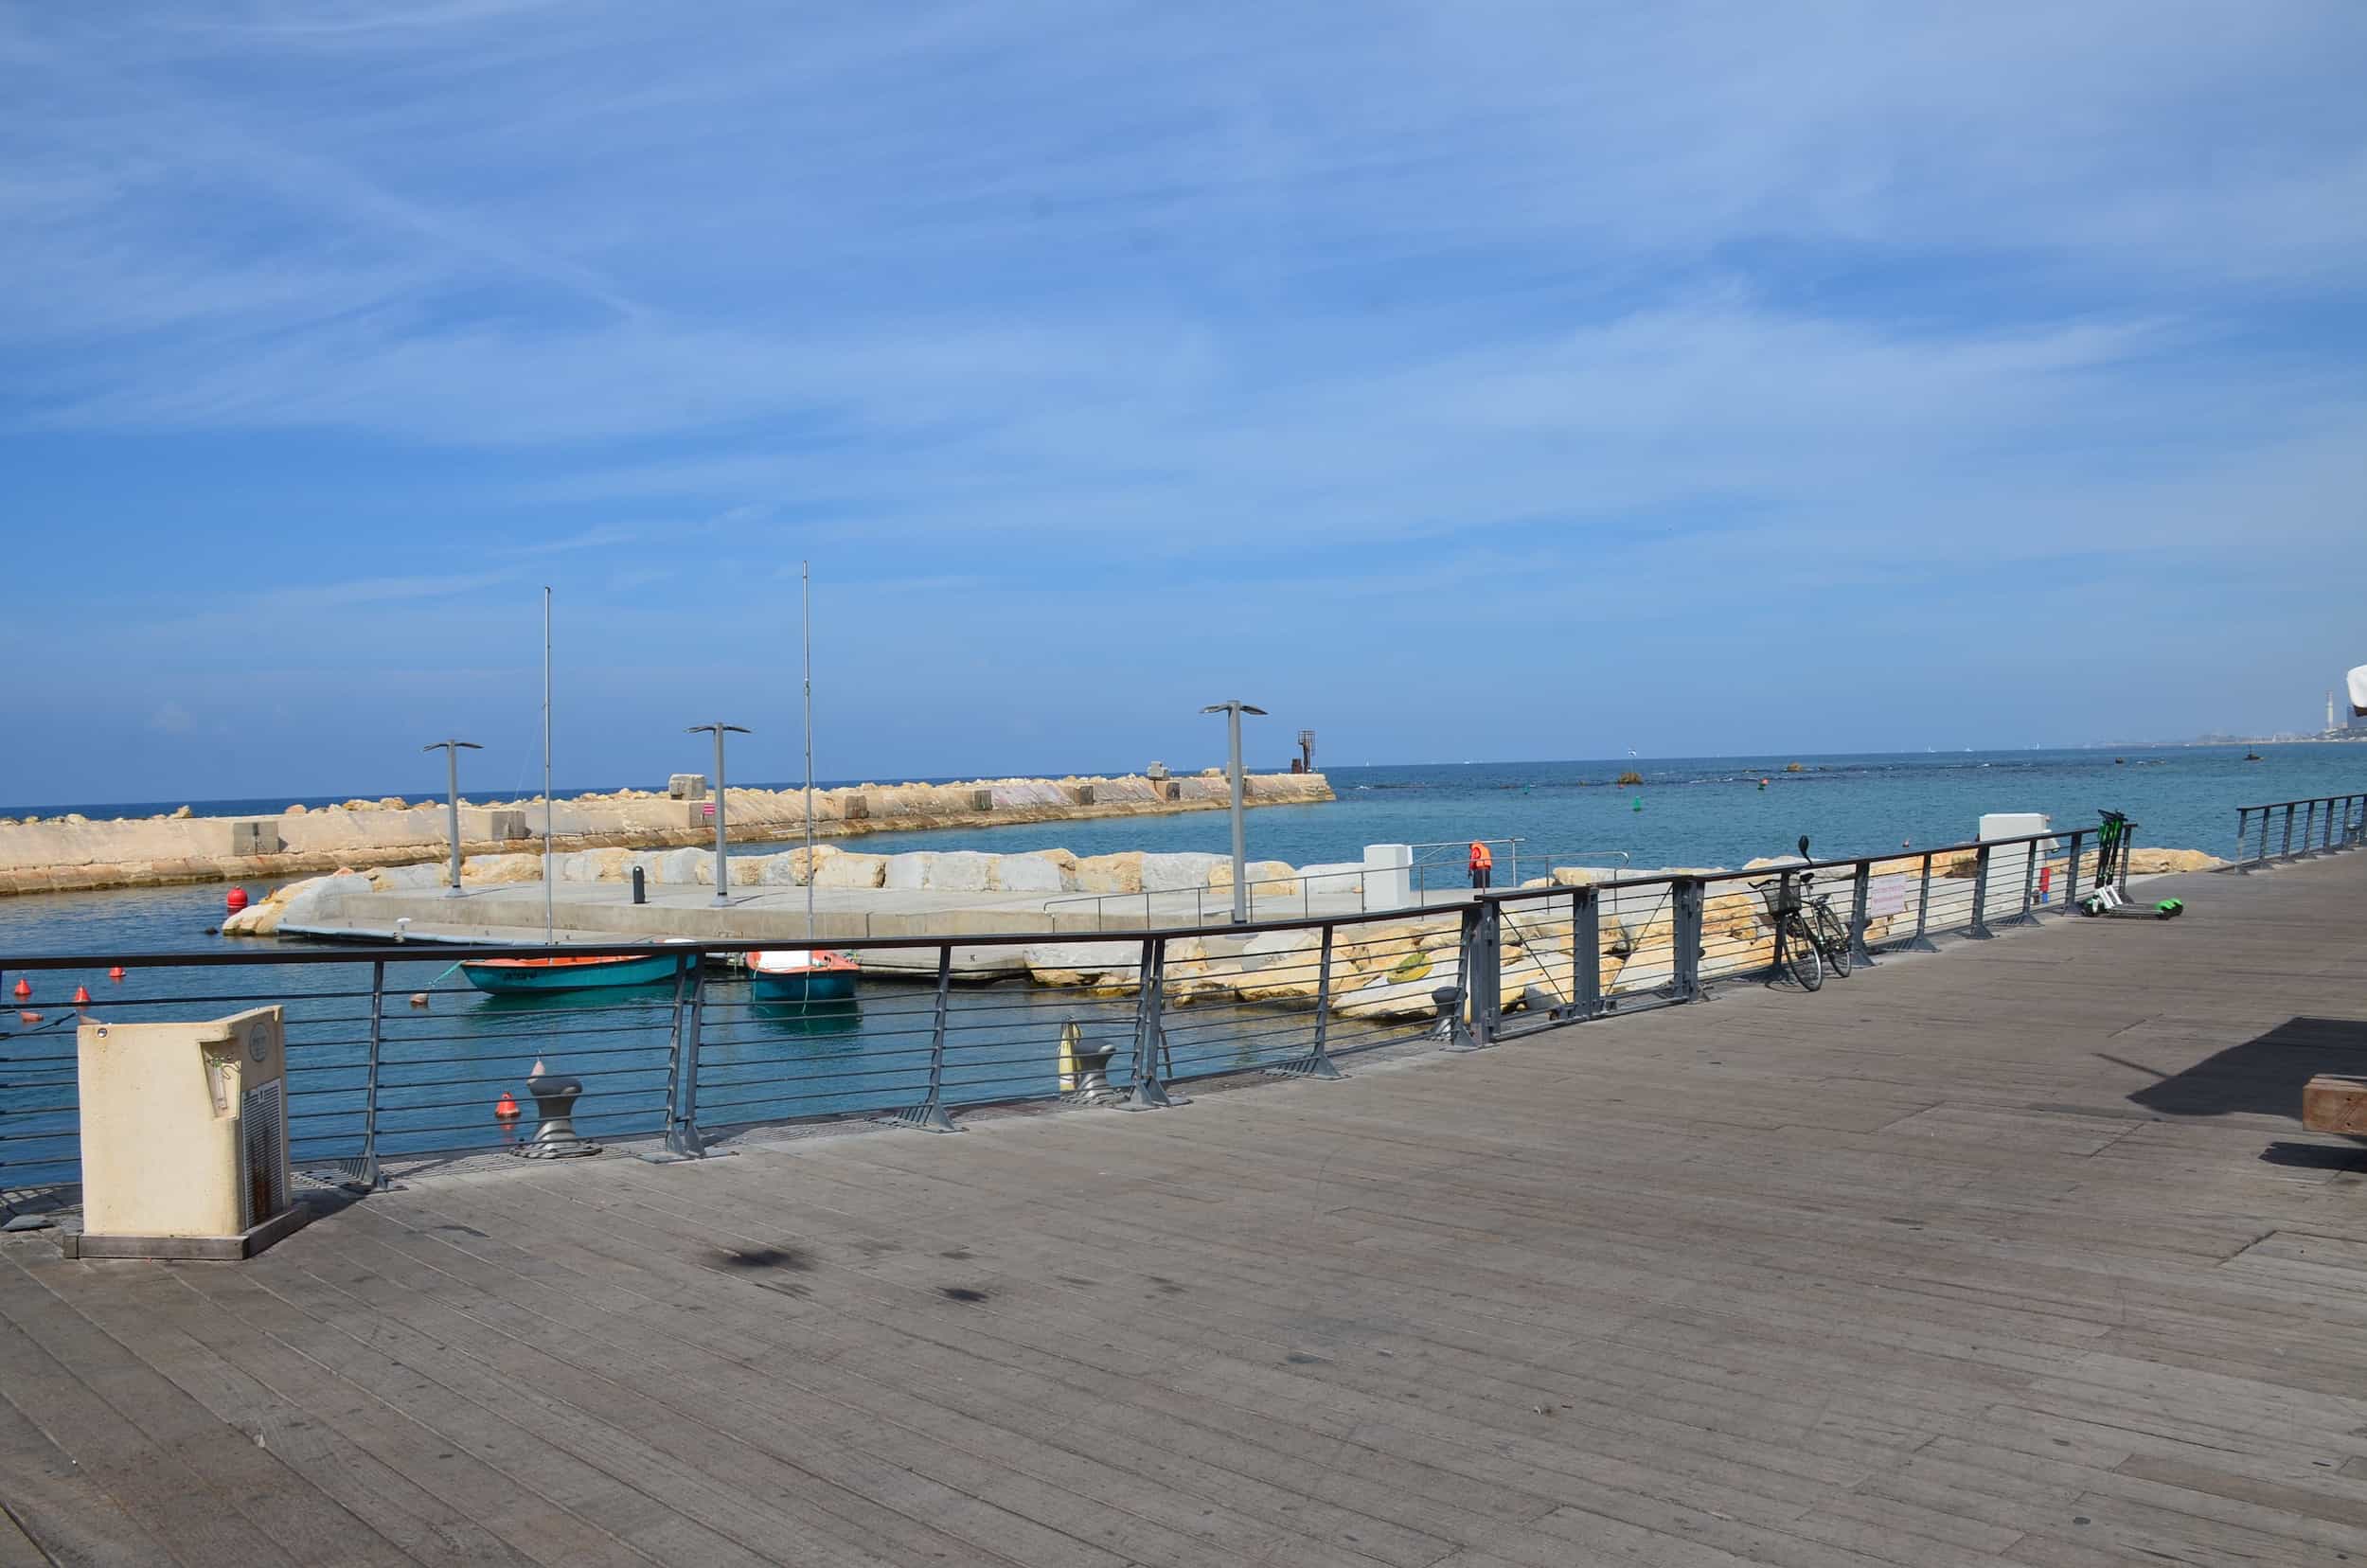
[1639,803]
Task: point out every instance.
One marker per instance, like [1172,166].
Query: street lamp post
[451,750]
[1233,712]
[723,871]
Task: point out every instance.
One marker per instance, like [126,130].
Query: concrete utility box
[255,836]
[185,1138]
[2010,866]
[687,786]
[1388,876]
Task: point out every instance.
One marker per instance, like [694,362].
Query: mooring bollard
[1451,1027]
[555,1137]
[1085,1065]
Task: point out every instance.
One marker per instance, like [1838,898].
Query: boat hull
[805,986]
[523,977]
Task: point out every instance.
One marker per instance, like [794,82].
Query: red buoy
[116,973]
[236,901]
[505,1111]
[29,1017]
[81,995]
[23,990]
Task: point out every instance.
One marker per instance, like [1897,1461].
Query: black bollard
[555,1137]
[640,887]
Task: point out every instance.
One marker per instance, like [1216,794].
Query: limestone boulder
[685,868]
[318,897]
[960,872]
[1179,872]
[408,879]
[2146,862]
[184,813]
[1383,998]
[502,868]
[594,865]
[852,870]
[1028,874]
[1098,964]
[908,872]
[1118,873]
[1267,879]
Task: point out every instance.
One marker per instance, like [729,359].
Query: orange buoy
[505,1111]
[23,990]
[29,1017]
[236,901]
[82,996]
[116,973]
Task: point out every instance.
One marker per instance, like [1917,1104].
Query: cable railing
[1431,878]
[390,1059]
[2298,829]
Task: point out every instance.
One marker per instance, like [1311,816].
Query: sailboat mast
[805,619]
[549,896]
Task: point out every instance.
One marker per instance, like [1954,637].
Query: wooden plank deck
[2015,1254]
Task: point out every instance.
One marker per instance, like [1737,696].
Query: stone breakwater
[71,852]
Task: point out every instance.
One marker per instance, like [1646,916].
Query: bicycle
[1808,935]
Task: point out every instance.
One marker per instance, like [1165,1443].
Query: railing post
[2286,853]
[371,1176]
[1980,930]
[2243,815]
[1861,894]
[2309,829]
[1922,940]
[928,1115]
[1150,1038]
[2029,882]
[2262,855]
[1685,939]
[2120,872]
[2070,881]
[683,1139]
[1316,1063]
[1487,1002]
[1586,953]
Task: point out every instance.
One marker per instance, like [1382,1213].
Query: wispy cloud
[1066,320]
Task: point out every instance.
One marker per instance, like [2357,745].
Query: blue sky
[1494,379]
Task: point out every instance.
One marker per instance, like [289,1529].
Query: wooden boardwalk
[2015,1254]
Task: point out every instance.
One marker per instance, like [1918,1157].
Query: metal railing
[389,1057]
[2297,830]
[1279,893]
[1207,901]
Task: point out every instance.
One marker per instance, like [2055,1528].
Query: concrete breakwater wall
[59,854]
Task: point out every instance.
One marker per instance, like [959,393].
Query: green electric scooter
[2111,854]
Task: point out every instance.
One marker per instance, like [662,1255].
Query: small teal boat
[527,976]
[799,976]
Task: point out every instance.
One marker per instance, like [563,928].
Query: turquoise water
[445,1063]
[1711,811]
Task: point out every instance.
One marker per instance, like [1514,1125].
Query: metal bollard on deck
[554,1135]
[1084,1067]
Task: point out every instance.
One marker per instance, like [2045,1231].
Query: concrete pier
[605,912]
[2017,1256]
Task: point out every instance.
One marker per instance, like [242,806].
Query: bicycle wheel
[1832,939]
[1801,960]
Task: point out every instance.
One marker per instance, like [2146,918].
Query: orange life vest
[1482,857]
